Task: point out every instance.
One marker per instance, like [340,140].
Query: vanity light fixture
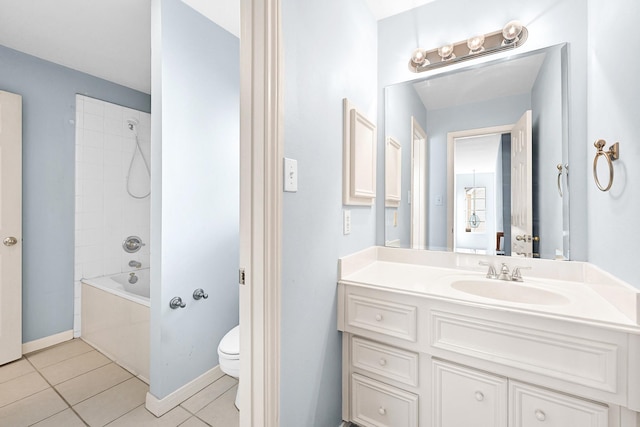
[419,58]
[511,36]
[446,52]
[511,32]
[475,44]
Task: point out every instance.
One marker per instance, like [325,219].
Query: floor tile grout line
[61,397]
[33,353]
[218,397]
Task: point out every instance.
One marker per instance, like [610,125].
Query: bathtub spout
[133,278]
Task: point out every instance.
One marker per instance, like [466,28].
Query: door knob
[10,241]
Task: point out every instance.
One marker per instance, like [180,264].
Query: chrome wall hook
[613,153]
[176,302]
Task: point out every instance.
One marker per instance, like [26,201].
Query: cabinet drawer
[384,360]
[375,404]
[466,397]
[535,407]
[392,319]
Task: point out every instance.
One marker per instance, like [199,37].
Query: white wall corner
[159,407]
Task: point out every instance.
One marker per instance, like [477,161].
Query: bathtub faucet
[133,278]
[135,264]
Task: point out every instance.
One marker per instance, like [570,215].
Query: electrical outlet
[346,222]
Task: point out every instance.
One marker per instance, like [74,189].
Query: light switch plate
[290,175]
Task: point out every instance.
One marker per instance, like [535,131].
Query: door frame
[261,154]
[419,200]
[451,138]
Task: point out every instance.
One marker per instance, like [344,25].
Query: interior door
[10,227]
[521,188]
[418,186]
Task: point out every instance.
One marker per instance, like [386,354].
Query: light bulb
[419,58]
[511,32]
[446,52]
[475,44]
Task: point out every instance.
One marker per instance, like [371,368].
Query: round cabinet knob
[382,411]
[382,361]
[540,416]
[479,396]
[10,241]
[378,317]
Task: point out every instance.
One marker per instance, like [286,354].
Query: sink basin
[509,291]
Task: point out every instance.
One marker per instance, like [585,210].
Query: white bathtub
[115,319]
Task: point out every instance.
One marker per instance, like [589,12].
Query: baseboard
[45,342]
[159,407]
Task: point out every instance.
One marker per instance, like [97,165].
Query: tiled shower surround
[105,213]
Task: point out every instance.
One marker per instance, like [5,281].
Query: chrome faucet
[504,273]
[135,264]
[133,278]
[491,273]
[517,276]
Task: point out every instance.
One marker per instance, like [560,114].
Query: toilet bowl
[229,355]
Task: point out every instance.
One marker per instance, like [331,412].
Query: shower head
[132,123]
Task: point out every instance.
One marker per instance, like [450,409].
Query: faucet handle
[491,273]
[517,275]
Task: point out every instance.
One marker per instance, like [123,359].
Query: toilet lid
[230,343]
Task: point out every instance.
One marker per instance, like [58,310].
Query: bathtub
[115,319]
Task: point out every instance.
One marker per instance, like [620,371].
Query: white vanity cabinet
[467,397]
[421,361]
[536,407]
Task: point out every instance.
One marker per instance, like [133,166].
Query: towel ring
[613,153]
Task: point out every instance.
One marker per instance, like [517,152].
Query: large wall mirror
[484,165]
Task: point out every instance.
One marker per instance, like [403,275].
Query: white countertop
[573,300]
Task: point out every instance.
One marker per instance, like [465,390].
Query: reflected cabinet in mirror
[484,158]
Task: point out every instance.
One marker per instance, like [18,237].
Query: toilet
[229,355]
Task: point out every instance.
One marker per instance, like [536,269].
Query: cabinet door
[466,397]
[535,407]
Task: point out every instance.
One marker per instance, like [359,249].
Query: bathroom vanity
[429,341]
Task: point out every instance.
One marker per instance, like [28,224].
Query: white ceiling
[111,39]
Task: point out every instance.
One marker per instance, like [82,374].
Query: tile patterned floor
[72,384]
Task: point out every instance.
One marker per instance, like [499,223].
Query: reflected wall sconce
[511,36]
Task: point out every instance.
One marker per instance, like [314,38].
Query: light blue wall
[48,149]
[614,108]
[330,53]
[546,106]
[437,23]
[403,102]
[195,192]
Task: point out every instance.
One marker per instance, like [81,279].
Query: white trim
[261,153]
[159,407]
[349,196]
[451,137]
[45,342]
